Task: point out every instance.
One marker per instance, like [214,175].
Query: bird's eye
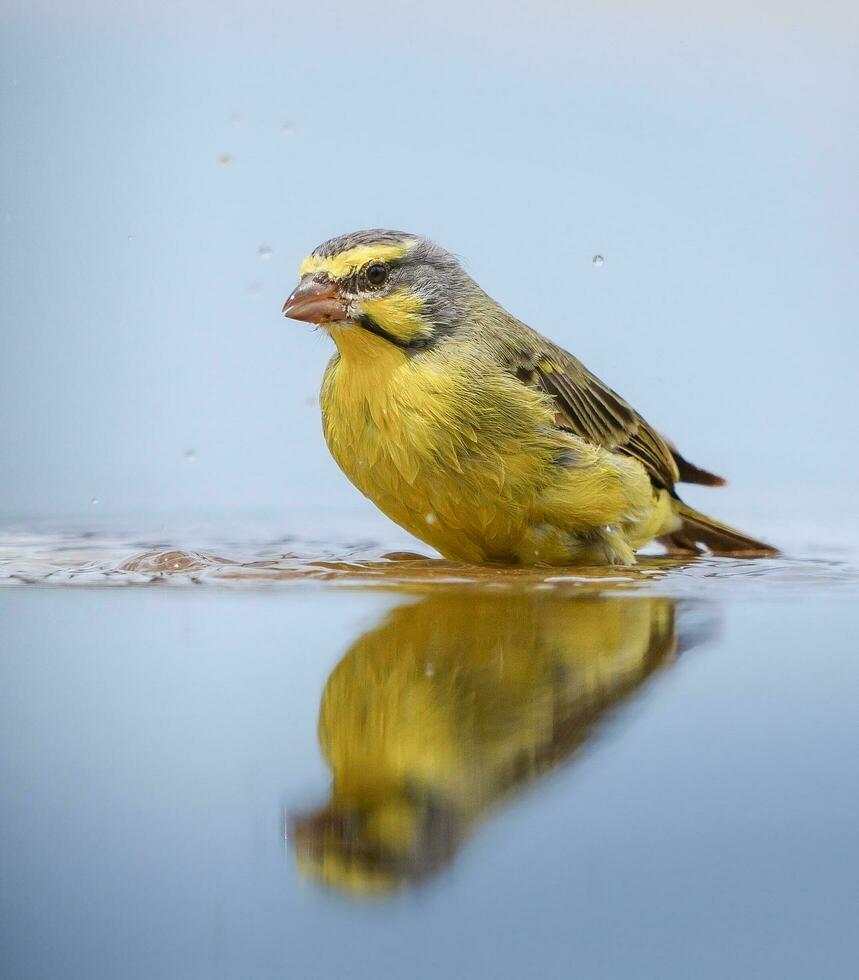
[377,273]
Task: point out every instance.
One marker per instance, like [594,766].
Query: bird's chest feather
[389,425]
[422,445]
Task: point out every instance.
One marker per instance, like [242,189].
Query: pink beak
[315,302]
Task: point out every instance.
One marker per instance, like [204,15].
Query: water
[298,757]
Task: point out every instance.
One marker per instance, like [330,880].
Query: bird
[454,703]
[474,432]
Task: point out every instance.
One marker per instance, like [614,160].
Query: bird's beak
[315,302]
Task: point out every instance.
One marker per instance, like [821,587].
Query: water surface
[292,758]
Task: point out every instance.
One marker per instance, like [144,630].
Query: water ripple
[92,560]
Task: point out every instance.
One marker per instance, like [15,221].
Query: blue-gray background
[710,155]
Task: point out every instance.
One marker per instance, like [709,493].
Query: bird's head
[399,287]
[373,846]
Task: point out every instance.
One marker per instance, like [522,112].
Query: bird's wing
[590,409]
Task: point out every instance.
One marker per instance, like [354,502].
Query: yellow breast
[425,440]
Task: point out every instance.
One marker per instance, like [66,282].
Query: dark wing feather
[591,410]
[690,473]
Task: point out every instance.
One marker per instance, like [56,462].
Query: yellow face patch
[399,314]
[341,265]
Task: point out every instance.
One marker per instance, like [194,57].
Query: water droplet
[255,290]
[264,252]
[430,518]
[429,670]
[190,455]
[225,159]
[130,238]
[94,501]
[287,129]
[598,260]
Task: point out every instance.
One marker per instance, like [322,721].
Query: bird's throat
[359,341]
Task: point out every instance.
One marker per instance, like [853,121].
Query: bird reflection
[450,704]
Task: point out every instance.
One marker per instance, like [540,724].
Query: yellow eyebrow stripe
[338,266]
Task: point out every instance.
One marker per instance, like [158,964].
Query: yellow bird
[474,432]
[453,703]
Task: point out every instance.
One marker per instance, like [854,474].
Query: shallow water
[232,758]
[101,559]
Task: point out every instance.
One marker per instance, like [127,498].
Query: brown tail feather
[698,529]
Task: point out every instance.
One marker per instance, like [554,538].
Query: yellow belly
[474,466]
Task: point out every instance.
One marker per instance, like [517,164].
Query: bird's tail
[698,529]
